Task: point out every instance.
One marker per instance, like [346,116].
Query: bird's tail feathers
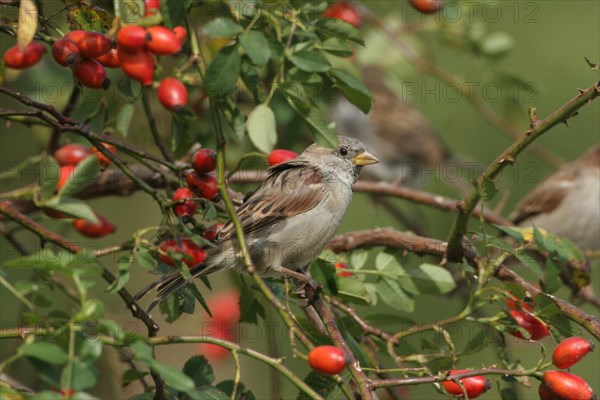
[169,283]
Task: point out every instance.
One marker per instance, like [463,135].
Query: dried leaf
[28,16]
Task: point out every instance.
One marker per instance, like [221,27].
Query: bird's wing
[547,196]
[291,188]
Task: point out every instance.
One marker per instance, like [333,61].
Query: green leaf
[353,89]
[515,233]
[44,259]
[130,89]
[322,384]
[143,352]
[174,12]
[529,261]
[88,17]
[124,117]
[358,258]
[551,276]
[212,393]
[227,387]
[45,395]
[132,375]
[48,352]
[325,273]
[222,28]
[84,174]
[310,61]
[122,277]
[341,29]
[324,134]
[222,73]
[250,307]
[337,46]
[85,376]
[256,46]
[353,290]
[73,207]
[479,341]
[262,128]
[390,292]
[173,377]
[198,368]
[50,171]
[427,279]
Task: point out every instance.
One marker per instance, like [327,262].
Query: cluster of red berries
[561,385]
[68,157]
[201,179]
[192,253]
[225,312]
[87,53]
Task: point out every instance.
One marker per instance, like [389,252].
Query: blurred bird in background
[567,203]
[403,139]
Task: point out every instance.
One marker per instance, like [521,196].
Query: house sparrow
[288,220]
[567,203]
[400,135]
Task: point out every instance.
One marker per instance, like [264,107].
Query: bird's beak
[365,158]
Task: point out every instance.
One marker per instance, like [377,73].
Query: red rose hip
[137,64]
[181,34]
[132,37]
[172,94]
[204,185]
[192,253]
[211,232]
[327,359]
[162,40]
[278,156]
[65,52]
[110,59]
[427,6]
[102,159]
[566,386]
[152,6]
[71,154]
[345,12]
[570,351]
[21,59]
[186,207]
[536,329]
[204,161]
[475,386]
[91,44]
[94,230]
[91,73]
[65,174]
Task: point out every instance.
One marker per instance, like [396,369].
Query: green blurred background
[551,39]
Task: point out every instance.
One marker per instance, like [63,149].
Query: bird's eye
[343,151]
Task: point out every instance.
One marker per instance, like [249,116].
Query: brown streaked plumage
[567,203]
[288,220]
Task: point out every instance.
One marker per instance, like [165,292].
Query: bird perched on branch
[288,220]
[400,135]
[567,203]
